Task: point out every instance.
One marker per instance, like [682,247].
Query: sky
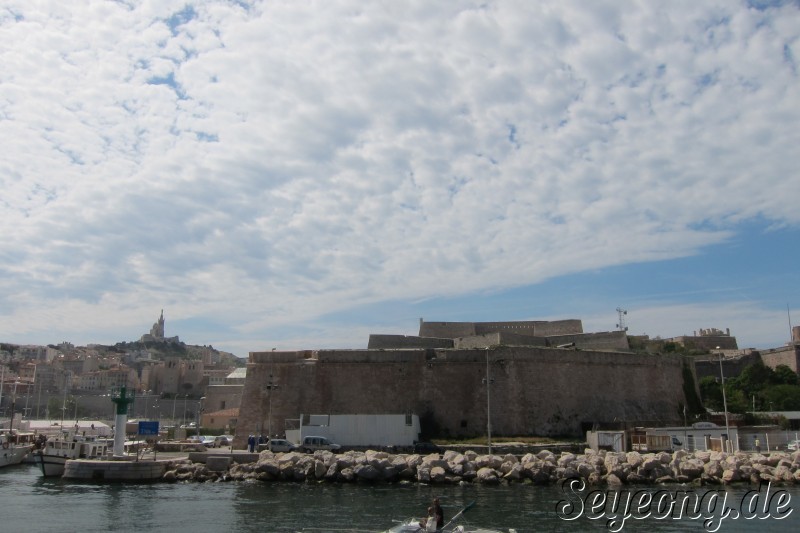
[299,174]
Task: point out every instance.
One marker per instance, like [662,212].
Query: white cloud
[274,162]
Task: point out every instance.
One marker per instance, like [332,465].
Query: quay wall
[535,391]
[115,470]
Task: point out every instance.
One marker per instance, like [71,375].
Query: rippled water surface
[33,504]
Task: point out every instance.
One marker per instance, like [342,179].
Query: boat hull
[13,455]
[52,465]
[53,458]
[412,526]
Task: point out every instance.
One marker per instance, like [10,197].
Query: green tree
[785,376]
[782,397]
[711,393]
[671,347]
[736,399]
[776,390]
[754,378]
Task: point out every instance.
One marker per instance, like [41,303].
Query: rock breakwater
[596,468]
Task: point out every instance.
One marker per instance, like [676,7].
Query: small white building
[55,427]
[700,436]
[357,430]
[704,436]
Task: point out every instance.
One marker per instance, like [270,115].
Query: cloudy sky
[299,174]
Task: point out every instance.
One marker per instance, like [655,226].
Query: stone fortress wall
[384,342]
[483,334]
[533,328]
[536,390]
[787,355]
[732,366]
[734,361]
[498,339]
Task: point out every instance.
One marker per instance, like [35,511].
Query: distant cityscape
[45,378]
[178,382]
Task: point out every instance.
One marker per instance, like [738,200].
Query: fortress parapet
[534,328]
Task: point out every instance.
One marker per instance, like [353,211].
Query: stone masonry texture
[535,390]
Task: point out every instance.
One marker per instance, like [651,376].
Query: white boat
[412,525]
[58,450]
[415,525]
[14,447]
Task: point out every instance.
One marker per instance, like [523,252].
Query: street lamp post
[64,401]
[488,382]
[724,397]
[185,397]
[199,414]
[269,387]
[28,397]
[39,400]
[685,437]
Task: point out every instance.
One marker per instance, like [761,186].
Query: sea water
[31,503]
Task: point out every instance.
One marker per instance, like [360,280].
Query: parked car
[311,444]
[222,440]
[280,445]
[207,441]
[793,446]
[426,447]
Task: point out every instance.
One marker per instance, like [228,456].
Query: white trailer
[357,430]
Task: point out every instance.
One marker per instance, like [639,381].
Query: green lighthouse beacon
[121,419]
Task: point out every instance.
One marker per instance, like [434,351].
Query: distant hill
[162,350]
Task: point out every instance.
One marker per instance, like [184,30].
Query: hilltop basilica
[157,333]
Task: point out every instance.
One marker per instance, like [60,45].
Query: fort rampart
[732,366]
[787,355]
[496,339]
[534,328]
[534,391]
[377,342]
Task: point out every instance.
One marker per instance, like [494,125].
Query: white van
[311,444]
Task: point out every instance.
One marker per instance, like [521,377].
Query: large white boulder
[487,475]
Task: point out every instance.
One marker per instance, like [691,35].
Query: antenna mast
[621,324]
